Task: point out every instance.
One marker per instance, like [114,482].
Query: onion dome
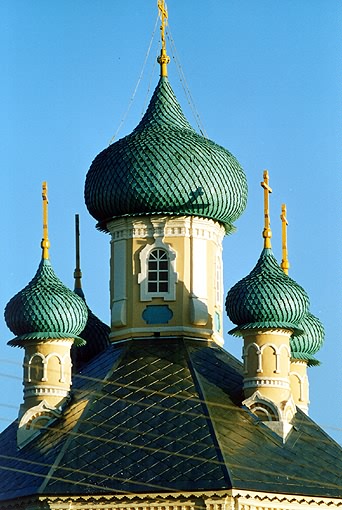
[45,309]
[95,332]
[96,336]
[165,167]
[310,341]
[267,298]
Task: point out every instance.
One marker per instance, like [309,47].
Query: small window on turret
[158,271]
[158,276]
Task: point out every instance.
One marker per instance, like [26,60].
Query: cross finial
[163,58]
[45,244]
[267,233]
[285,262]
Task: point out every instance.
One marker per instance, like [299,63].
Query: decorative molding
[198,311]
[55,391]
[233,499]
[45,360]
[259,349]
[195,332]
[34,420]
[166,226]
[145,295]
[276,416]
[269,382]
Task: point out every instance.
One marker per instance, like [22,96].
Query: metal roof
[165,415]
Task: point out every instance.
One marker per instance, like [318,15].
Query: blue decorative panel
[157,314]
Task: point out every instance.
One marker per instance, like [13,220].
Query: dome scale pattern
[310,341]
[267,298]
[165,167]
[45,309]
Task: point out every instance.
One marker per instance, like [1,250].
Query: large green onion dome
[267,298]
[165,167]
[45,309]
[310,341]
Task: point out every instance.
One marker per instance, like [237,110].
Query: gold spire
[285,262]
[163,58]
[77,272]
[267,233]
[45,244]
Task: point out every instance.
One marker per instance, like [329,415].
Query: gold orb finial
[45,244]
[267,233]
[163,58]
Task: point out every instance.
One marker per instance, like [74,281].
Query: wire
[184,83]
[148,392]
[136,87]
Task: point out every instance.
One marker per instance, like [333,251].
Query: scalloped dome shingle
[267,298]
[165,166]
[45,309]
[303,346]
[96,335]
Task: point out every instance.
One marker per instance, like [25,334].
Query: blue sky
[265,78]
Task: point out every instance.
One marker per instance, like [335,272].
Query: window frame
[143,276]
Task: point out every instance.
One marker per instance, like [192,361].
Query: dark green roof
[267,298]
[161,416]
[45,309]
[165,167]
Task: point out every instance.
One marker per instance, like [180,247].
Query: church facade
[151,412]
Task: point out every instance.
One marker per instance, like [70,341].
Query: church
[150,412]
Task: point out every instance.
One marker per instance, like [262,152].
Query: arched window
[158,271]
[158,276]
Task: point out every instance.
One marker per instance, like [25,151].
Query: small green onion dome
[303,346]
[45,309]
[267,298]
[165,167]
[96,335]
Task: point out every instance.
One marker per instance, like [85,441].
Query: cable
[184,84]
[136,87]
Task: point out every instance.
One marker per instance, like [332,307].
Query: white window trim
[145,295]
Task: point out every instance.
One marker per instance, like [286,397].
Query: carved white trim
[278,417]
[166,226]
[274,382]
[45,360]
[55,391]
[33,420]
[233,499]
[145,295]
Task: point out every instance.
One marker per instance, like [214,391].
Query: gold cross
[285,262]
[163,58]
[267,233]
[45,244]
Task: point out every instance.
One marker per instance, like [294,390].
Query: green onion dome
[310,341]
[96,336]
[45,309]
[165,167]
[267,298]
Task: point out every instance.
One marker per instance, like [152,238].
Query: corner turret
[268,308]
[46,318]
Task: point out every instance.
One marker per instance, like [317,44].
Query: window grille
[158,271]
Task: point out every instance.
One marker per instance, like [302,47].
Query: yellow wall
[197,245]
